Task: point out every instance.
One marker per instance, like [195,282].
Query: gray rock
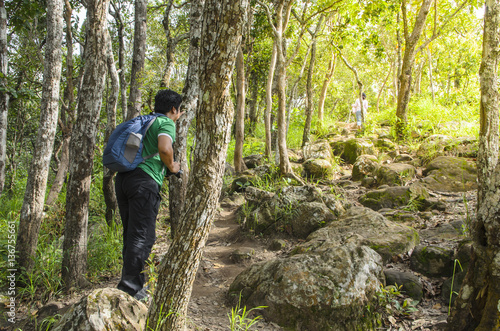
[432,261]
[318,290]
[104,309]
[444,232]
[396,174]
[364,226]
[365,166]
[450,174]
[242,254]
[456,281]
[355,147]
[411,284]
[318,168]
[277,245]
[413,196]
[253,161]
[318,150]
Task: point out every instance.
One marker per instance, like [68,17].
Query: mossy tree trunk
[222,29]
[477,305]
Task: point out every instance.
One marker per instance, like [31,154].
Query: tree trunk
[108,187]
[310,95]
[476,307]
[34,196]
[74,264]
[139,54]
[431,79]
[177,186]
[222,29]
[383,87]
[269,103]
[4,95]
[66,117]
[239,165]
[121,61]
[253,102]
[324,89]
[408,61]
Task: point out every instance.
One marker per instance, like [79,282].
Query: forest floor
[210,308]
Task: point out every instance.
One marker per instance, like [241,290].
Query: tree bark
[476,307]
[222,30]
[34,196]
[139,54]
[431,79]
[177,186]
[4,95]
[253,102]
[108,187]
[269,103]
[239,165]
[74,264]
[324,89]
[121,59]
[66,117]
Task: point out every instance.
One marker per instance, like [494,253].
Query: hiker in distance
[356,109]
[138,192]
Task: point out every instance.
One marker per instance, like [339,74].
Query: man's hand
[176,115]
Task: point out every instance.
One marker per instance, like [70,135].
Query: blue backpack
[123,151]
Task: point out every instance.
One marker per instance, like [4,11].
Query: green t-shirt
[154,166]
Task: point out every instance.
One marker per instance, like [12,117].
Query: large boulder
[410,284]
[253,161]
[355,147]
[104,309]
[364,226]
[441,145]
[318,168]
[396,174]
[324,289]
[297,210]
[433,261]
[450,174]
[318,150]
[365,166]
[413,196]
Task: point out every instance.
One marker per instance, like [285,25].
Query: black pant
[138,198]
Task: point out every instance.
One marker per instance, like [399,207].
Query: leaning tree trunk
[108,187]
[310,95]
[222,29]
[407,66]
[34,196]
[4,95]
[476,307]
[239,165]
[74,264]
[177,186]
[138,58]
[269,104]
[324,89]
[66,117]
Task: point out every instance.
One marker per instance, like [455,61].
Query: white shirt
[356,106]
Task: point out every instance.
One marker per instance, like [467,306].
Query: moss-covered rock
[365,166]
[318,150]
[318,290]
[413,196]
[396,174]
[104,309]
[432,261]
[355,147]
[364,227]
[450,174]
[410,283]
[318,168]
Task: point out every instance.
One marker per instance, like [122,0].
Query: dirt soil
[209,305]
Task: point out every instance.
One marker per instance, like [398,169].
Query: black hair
[165,100]
[363,95]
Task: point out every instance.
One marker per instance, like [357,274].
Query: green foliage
[392,301]
[240,320]
[104,250]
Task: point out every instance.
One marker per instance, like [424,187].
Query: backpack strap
[146,131]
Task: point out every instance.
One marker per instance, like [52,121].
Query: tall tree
[222,29]
[172,42]
[410,50]
[324,88]
[74,264]
[67,113]
[139,54]
[4,95]
[117,14]
[34,196]
[477,305]
[239,165]
[108,186]
[177,186]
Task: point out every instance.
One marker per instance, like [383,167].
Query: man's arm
[167,153]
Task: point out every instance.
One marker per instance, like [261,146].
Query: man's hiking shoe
[142,295]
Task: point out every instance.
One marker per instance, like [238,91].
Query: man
[356,109]
[138,193]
